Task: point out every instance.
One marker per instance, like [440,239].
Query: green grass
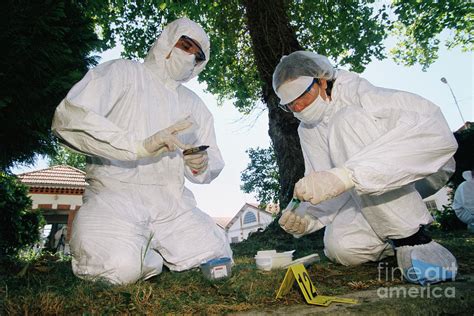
[46,285]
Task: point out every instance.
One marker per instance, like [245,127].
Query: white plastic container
[270,259]
[264,262]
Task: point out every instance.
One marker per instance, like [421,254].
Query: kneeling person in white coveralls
[371,154]
[463,202]
[133,120]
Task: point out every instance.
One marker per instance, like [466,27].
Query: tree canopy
[248,38]
[51,42]
[65,156]
[261,175]
[19,225]
[47,48]
[464,156]
[351,32]
[419,23]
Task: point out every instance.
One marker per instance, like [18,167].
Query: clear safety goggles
[290,106]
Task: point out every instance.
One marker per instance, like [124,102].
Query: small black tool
[194,150]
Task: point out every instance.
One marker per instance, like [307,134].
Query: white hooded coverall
[137,213]
[463,203]
[389,141]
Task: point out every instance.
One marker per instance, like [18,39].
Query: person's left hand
[293,223]
[298,222]
[198,162]
[320,186]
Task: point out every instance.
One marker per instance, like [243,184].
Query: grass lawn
[46,285]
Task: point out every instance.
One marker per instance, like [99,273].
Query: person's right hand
[197,162]
[165,140]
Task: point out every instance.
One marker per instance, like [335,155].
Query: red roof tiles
[61,175]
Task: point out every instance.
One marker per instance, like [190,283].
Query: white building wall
[440,198]
[55,199]
[234,232]
[240,231]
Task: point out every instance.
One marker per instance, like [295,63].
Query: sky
[236,134]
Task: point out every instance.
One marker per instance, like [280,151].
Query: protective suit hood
[345,89]
[156,58]
[467,175]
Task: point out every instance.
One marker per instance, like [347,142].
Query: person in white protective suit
[371,154]
[463,203]
[60,244]
[132,120]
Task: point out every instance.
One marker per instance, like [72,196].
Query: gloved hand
[198,162]
[295,224]
[164,140]
[426,264]
[320,186]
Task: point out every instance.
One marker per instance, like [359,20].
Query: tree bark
[272,37]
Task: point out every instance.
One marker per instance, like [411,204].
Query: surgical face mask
[180,65]
[313,113]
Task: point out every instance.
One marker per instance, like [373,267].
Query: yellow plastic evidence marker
[298,272]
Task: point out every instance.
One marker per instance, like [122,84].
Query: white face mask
[313,113]
[180,65]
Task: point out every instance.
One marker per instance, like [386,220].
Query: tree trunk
[272,37]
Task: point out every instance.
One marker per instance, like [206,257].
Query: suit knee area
[125,273]
[96,262]
[336,251]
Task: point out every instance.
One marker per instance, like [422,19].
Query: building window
[234,240]
[249,218]
[431,205]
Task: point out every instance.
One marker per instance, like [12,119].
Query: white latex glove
[426,264]
[298,226]
[320,186]
[164,140]
[293,223]
[198,162]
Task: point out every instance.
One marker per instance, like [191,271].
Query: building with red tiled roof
[57,191]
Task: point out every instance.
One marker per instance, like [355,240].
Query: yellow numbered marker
[298,272]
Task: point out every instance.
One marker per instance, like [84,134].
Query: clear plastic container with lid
[218,268]
[271,259]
